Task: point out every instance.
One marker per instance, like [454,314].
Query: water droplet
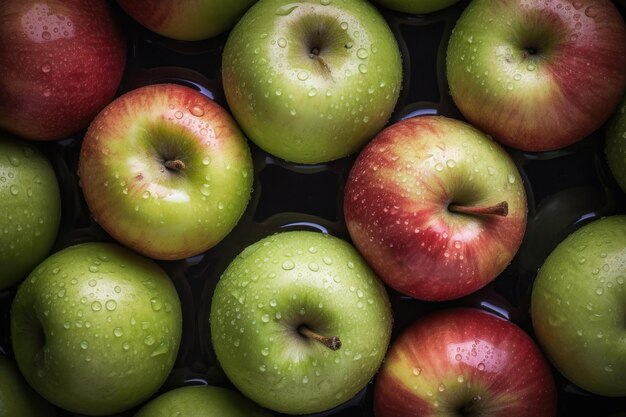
[286,9]
[197,110]
[149,340]
[178,114]
[282,42]
[450,163]
[362,53]
[314,267]
[481,366]
[344,25]
[439,167]
[458,357]
[312,92]
[441,387]
[118,332]
[84,344]
[14,190]
[265,318]
[96,306]
[288,265]
[417,371]
[93,268]
[608,368]
[303,75]
[531,67]
[110,305]
[460,379]
[156,304]
[46,35]
[265,351]
[45,68]
[325,2]
[599,290]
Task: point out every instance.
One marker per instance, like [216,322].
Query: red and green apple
[166,171]
[464,362]
[537,75]
[186,20]
[436,207]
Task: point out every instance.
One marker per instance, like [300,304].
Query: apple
[578,305]
[464,362]
[299,322]
[30,209]
[166,171]
[436,207]
[61,62]
[186,20]
[201,401]
[311,81]
[17,399]
[96,328]
[416,7]
[537,75]
[615,147]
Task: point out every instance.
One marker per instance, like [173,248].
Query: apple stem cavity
[175,165]
[500,209]
[468,408]
[331,342]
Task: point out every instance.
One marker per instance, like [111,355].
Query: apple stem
[315,54]
[176,165]
[500,209]
[331,342]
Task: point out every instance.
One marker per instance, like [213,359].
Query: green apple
[416,6]
[299,322]
[578,306]
[186,20]
[30,209]
[17,398]
[537,75]
[166,171]
[616,145]
[201,401]
[96,328]
[311,81]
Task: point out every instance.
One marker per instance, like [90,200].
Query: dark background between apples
[565,189]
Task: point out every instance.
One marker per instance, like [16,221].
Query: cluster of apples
[435,208]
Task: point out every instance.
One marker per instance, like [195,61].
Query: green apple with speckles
[616,145]
[299,322]
[416,6]
[202,401]
[96,328]
[311,81]
[17,398]
[578,306]
[30,209]
[166,171]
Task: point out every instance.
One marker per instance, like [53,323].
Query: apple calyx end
[500,209]
[175,165]
[331,342]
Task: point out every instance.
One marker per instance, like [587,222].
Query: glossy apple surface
[538,75]
[579,304]
[416,6]
[202,401]
[270,299]
[616,145]
[464,362]
[17,399]
[311,82]
[96,328]
[187,20]
[30,212]
[403,201]
[166,171]
[61,62]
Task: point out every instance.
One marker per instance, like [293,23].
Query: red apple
[61,62]
[537,75]
[464,362]
[436,207]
